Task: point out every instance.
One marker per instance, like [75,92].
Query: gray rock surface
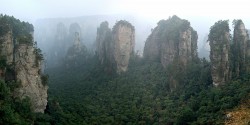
[28,73]
[172,40]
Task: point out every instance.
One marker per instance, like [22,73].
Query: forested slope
[87,95]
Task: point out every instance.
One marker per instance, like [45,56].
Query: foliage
[142,95]
[170,29]
[240,114]
[15,25]
[39,55]
[13,110]
[217,30]
[45,79]
[239,48]
[3,63]
[25,39]
[122,23]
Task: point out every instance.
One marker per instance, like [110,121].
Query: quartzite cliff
[219,40]
[77,53]
[115,47]
[24,61]
[228,59]
[240,50]
[173,40]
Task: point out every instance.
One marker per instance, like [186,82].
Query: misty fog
[144,15]
[124,62]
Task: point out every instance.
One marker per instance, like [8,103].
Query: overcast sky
[30,10]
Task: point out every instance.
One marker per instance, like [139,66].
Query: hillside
[239,115]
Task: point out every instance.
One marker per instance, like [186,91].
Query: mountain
[116,46]
[173,40]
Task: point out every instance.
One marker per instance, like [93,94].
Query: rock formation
[172,40]
[24,58]
[240,49]
[115,48]
[219,38]
[103,41]
[123,36]
[28,73]
[60,45]
[77,52]
[6,42]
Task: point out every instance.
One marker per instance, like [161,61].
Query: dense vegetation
[85,94]
[19,28]
[13,110]
[143,95]
[122,23]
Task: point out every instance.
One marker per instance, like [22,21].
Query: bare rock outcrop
[103,43]
[115,47]
[240,49]
[28,73]
[123,35]
[219,40]
[77,53]
[173,40]
[23,59]
[7,46]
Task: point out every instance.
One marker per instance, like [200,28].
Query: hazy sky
[30,10]
[201,13]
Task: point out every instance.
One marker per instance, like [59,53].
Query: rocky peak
[115,47]
[123,35]
[219,40]
[7,46]
[172,40]
[240,48]
[18,47]
[77,42]
[61,32]
[73,28]
[103,41]
[28,73]
[77,52]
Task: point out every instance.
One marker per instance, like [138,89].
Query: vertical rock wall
[28,73]
[124,43]
[240,49]
[23,61]
[115,48]
[219,40]
[172,40]
[7,46]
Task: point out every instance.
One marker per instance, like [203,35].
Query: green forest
[83,93]
[86,95]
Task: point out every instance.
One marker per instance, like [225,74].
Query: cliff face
[124,42]
[103,41]
[172,40]
[219,38]
[240,48]
[6,46]
[28,73]
[152,45]
[23,59]
[114,49]
[77,52]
